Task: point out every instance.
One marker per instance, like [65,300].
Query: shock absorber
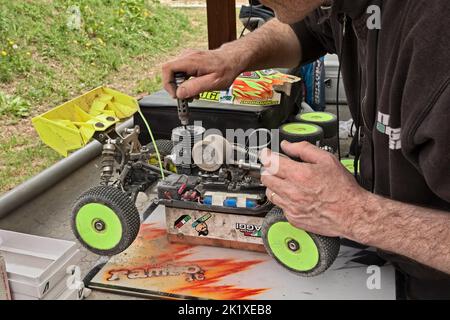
[108,160]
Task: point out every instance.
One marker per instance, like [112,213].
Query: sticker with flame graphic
[156,267]
[257,88]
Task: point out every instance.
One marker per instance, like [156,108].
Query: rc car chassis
[202,174]
[198,173]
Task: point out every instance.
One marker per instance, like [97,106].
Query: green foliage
[85,40]
[49,55]
[149,85]
[21,158]
[13,106]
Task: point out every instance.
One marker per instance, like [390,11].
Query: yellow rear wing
[73,124]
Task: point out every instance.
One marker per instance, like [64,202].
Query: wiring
[248,21]
[161,167]
[338,109]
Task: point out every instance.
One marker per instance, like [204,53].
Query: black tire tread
[122,205]
[165,147]
[328,247]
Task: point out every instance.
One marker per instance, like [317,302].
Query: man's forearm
[418,233]
[273,45]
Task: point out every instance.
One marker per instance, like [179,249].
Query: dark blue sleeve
[315,34]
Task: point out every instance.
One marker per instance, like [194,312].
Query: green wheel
[105,220]
[327,121]
[298,132]
[349,164]
[303,253]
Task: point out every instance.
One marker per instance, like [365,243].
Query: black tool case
[160,110]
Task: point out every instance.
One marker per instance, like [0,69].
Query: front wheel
[306,254]
[105,220]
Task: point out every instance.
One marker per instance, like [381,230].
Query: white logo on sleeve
[395,142]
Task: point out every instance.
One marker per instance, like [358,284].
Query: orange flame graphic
[257,89]
[152,244]
[216,270]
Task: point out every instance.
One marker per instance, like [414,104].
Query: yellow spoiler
[73,124]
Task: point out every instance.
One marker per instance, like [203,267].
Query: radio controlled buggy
[201,176]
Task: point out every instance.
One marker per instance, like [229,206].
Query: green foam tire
[303,253]
[349,164]
[105,220]
[327,121]
[298,132]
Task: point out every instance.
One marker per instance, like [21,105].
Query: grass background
[45,60]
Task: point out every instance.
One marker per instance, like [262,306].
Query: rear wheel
[165,148]
[306,254]
[105,220]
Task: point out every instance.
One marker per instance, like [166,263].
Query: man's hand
[212,70]
[273,45]
[317,195]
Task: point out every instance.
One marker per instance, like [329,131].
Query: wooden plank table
[221,22]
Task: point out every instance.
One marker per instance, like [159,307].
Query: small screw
[293,245]
[99,226]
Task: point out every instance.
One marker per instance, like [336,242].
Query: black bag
[160,110]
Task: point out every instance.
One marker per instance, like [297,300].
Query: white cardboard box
[35,265]
[48,284]
[53,294]
[73,294]
[69,294]
[60,292]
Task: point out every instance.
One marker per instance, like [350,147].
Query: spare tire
[299,132]
[327,121]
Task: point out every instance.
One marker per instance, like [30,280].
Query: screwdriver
[183,105]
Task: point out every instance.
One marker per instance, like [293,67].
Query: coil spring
[108,161]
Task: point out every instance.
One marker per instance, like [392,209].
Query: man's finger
[195,86]
[283,188]
[305,151]
[187,65]
[168,80]
[275,183]
[279,165]
[276,199]
[171,90]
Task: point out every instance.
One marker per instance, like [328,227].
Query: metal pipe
[49,177]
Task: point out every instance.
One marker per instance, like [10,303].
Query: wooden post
[221,22]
